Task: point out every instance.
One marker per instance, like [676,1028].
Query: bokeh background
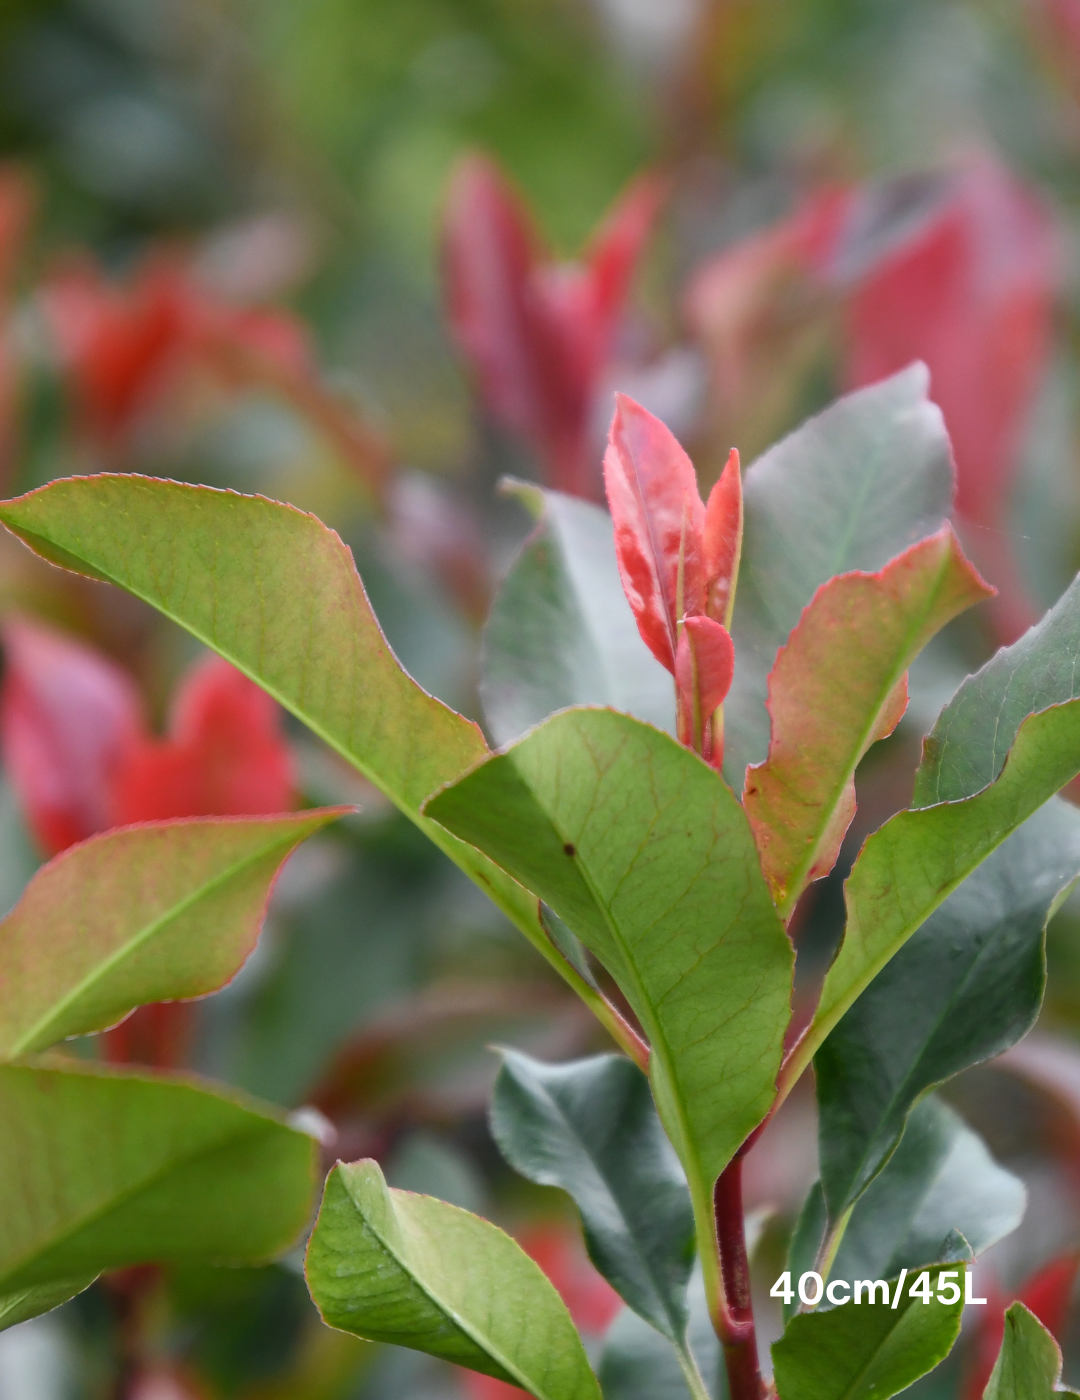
[238,246]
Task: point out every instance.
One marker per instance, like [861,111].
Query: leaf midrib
[657,1037]
[25,1043]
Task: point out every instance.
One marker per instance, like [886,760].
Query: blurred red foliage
[74,741]
[959,270]
[538,333]
[123,346]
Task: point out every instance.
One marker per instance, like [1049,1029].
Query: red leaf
[723,540]
[747,302]
[611,261]
[123,346]
[69,718]
[971,293]
[705,662]
[225,756]
[538,333]
[120,346]
[659,524]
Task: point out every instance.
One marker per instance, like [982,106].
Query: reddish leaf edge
[317,817]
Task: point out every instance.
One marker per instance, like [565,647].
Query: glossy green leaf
[839,684]
[148,913]
[939,1183]
[848,490]
[561,632]
[970,742]
[869,1351]
[644,851]
[909,868]
[395,1267]
[1028,1366]
[966,986]
[276,592]
[590,1127]
[103,1168]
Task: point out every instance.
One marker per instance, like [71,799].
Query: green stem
[691,1373]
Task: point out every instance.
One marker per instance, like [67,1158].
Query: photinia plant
[683,692]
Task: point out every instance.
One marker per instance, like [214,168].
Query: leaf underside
[396,1267]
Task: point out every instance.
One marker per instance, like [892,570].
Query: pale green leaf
[395,1267]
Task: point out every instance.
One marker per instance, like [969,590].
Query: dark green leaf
[910,867]
[638,1364]
[561,632]
[590,1127]
[970,742]
[806,1241]
[940,1182]
[848,490]
[1028,1366]
[648,856]
[866,1352]
[395,1267]
[106,1168]
[966,986]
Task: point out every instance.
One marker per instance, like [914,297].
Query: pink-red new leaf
[659,524]
[705,663]
[723,540]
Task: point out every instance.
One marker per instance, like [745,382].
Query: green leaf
[848,490]
[275,591]
[637,1363]
[104,1168]
[974,733]
[590,1127]
[915,861]
[158,912]
[1028,1366]
[806,1241]
[939,1183]
[561,632]
[838,685]
[645,852]
[964,988]
[869,1351]
[394,1267]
